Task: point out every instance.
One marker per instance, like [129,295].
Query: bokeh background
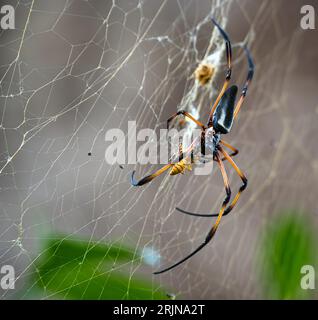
[71,224]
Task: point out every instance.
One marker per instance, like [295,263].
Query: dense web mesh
[74,69]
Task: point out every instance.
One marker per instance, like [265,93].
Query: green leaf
[77,269]
[288,245]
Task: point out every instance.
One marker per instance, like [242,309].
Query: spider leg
[212,231]
[228,72]
[241,175]
[249,78]
[149,177]
[182,154]
[186,114]
[226,144]
[237,196]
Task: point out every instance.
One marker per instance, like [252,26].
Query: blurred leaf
[288,245]
[75,269]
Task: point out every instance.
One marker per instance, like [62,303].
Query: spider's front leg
[249,78]
[201,125]
[228,47]
[187,115]
[150,177]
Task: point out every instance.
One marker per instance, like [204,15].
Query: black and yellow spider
[220,121]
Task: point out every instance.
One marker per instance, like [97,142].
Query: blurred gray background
[74,69]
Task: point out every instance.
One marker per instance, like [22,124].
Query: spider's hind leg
[233,149]
[237,196]
[212,231]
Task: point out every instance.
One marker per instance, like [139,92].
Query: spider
[220,121]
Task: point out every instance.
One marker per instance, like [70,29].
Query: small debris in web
[171,296]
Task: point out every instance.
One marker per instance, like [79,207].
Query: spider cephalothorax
[220,121]
[212,140]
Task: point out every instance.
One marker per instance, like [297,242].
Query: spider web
[74,69]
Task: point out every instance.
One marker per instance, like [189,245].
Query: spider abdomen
[224,112]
